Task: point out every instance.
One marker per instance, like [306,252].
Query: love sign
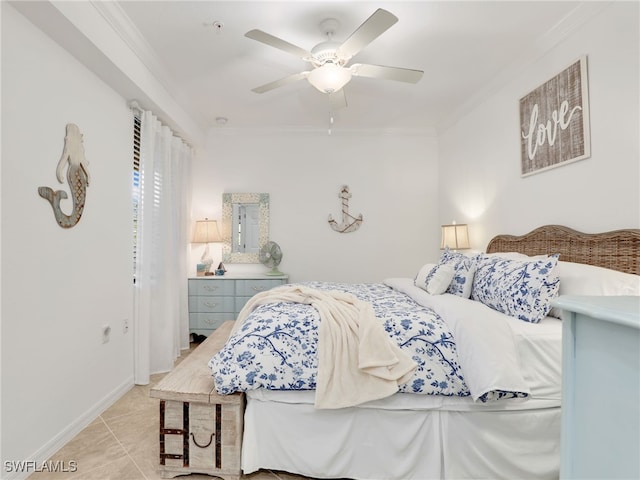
[554,121]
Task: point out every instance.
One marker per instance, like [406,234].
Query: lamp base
[206,260]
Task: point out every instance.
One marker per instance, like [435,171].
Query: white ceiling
[464,48]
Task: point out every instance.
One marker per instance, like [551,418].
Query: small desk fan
[271,256]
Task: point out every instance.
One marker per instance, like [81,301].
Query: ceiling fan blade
[276,42]
[372,28]
[388,73]
[337,100]
[281,82]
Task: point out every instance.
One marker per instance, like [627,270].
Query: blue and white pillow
[439,279]
[519,288]
[464,270]
[421,276]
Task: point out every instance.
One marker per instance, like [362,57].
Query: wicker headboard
[617,250]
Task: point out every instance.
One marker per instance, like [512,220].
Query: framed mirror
[245,226]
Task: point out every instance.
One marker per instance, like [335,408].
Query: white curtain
[161,325]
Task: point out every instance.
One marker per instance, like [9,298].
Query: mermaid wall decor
[77,177]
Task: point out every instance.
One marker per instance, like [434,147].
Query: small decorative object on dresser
[271,256]
[221,270]
[215,299]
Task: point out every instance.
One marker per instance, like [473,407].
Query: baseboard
[62,438]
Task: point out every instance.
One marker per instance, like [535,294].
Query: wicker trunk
[200,431]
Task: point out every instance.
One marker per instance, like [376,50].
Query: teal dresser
[215,299]
[600,387]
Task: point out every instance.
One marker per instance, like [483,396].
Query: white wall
[60,286]
[392,179]
[479,156]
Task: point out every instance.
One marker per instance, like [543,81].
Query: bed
[483,396]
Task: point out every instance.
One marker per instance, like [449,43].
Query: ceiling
[464,48]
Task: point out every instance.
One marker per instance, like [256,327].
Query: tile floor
[122,444]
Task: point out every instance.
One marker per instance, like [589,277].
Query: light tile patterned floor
[122,444]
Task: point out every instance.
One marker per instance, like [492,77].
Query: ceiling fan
[329,59]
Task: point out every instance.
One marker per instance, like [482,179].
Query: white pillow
[439,279]
[581,279]
[421,277]
[464,270]
[515,256]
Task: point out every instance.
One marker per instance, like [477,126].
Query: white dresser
[600,387]
[215,299]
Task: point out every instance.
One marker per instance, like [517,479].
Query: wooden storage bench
[200,431]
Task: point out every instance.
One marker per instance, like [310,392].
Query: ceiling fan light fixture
[329,78]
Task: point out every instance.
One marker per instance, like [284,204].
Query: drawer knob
[210,304]
[193,437]
[209,321]
[211,288]
[258,288]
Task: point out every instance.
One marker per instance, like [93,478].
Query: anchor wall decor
[349,222]
[77,178]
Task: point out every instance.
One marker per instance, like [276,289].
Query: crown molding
[226,131]
[122,25]
[120,22]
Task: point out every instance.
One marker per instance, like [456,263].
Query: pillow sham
[421,276]
[439,279]
[519,288]
[464,269]
[581,279]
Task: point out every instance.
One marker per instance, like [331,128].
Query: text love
[539,134]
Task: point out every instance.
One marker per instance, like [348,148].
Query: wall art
[77,178]
[349,222]
[554,121]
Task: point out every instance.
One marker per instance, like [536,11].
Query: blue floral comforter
[276,347]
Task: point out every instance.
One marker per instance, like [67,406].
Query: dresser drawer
[218,288]
[213,300]
[208,321]
[240,302]
[203,304]
[248,288]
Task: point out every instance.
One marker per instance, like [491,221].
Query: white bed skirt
[375,444]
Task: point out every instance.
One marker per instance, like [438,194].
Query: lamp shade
[329,77]
[206,231]
[455,236]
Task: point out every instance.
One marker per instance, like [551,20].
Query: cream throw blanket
[357,360]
